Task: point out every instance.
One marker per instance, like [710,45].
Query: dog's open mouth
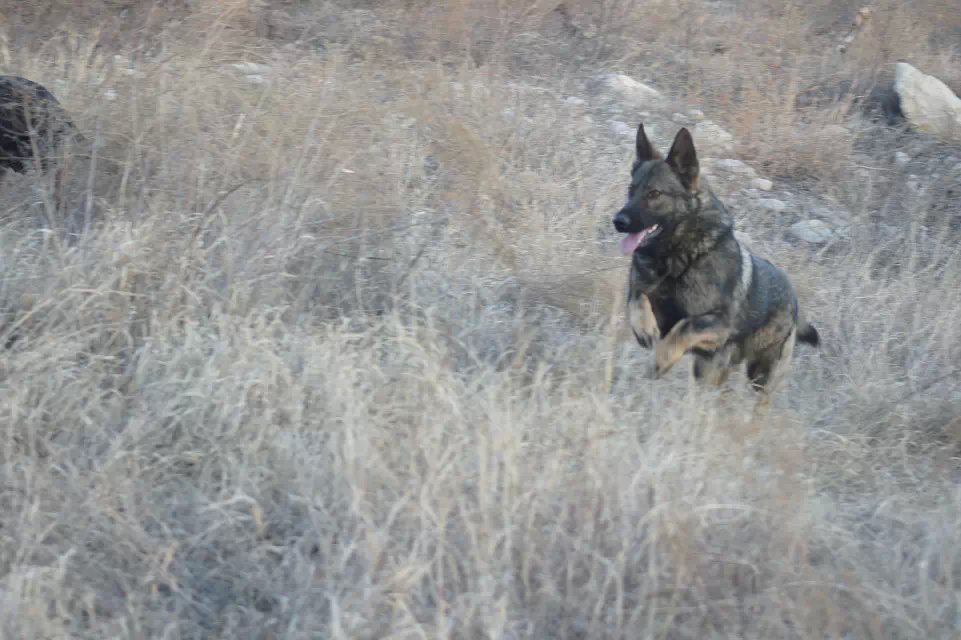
[634,240]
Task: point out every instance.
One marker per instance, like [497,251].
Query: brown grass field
[335,348]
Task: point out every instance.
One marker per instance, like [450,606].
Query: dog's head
[660,194]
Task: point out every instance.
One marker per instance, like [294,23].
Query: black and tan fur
[693,287]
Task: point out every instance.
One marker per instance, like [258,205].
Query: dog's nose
[621,222]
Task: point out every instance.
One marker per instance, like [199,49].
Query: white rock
[627,88]
[711,136]
[680,118]
[812,231]
[250,68]
[695,114]
[836,216]
[574,101]
[762,183]
[621,128]
[772,204]
[901,158]
[732,165]
[928,103]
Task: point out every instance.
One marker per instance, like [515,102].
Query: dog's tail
[807,334]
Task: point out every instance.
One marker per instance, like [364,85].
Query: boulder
[733,165]
[620,128]
[812,231]
[772,204]
[712,137]
[622,88]
[928,103]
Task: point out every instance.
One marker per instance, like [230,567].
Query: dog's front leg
[708,331]
[641,317]
[646,274]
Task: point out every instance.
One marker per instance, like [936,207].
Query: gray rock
[928,103]
[732,165]
[711,136]
[621,128]
[836,216]
[574,101]
[772,204]
[250,68]
[762,183]
[812,231]
[681,119]
[625,88]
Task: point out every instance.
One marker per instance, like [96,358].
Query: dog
[693,288]
[34,128]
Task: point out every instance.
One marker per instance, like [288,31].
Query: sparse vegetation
[339,351]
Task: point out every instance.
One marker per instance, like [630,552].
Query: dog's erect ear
[645,150]
[683,159]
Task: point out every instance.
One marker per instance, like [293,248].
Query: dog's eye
[653,193]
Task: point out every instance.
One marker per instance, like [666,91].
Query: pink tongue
[630,242]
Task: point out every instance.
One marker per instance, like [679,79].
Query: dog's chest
[675,300]
[667,312]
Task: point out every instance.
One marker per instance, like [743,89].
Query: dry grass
[340,352]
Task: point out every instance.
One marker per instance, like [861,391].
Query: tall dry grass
[336,352]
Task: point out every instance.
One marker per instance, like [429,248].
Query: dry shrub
[339,355]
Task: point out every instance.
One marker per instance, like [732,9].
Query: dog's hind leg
[712,368]
[768,370]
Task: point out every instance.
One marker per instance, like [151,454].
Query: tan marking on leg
[783,364]
[762,408]
[640,315]
[676,343]
[716,368]
[716,375]
[668,350]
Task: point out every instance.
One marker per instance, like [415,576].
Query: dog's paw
[644,340]
[662,361]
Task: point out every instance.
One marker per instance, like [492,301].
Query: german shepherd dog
[33,128]
[693,287]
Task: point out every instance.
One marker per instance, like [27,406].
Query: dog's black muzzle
[622,222]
